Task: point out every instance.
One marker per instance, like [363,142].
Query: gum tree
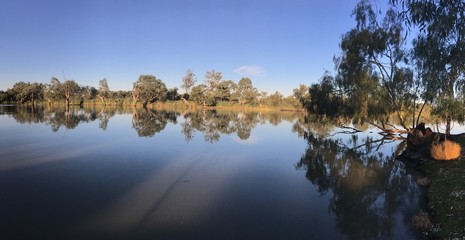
[439,52]
[148,89]
[103,91]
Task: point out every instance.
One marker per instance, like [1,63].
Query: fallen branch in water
[385,131]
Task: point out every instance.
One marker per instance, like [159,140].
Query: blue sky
[278,44]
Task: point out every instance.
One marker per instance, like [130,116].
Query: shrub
[445,150]
[421,222]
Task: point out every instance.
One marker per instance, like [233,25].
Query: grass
[446,195]
[445,150]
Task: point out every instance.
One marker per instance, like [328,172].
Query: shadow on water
[125,192]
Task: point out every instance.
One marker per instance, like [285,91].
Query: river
[114,173]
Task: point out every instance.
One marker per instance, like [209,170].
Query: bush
[445,150]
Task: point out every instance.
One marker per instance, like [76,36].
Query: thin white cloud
[250,70]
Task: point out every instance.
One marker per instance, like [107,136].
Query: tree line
[149,89]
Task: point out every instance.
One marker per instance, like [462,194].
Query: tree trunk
[448,126]
[134,100]
[103,100]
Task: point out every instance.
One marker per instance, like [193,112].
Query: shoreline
[444,189]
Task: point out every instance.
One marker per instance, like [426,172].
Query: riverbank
[446,195]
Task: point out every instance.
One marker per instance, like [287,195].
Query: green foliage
[302,94]
[438,50]
[172,94]
[202,96]
[52,90]
[449,108]
[323,100]
[275,99]
[246,92]
[225,90]
[27,92]
[69,89]
[188,81]
[103,90]
[212,79]
[148,88]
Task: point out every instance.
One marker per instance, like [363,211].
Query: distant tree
[323,100]
[292,101]
[302,95]
[212,79]
[275,99]
[225,90]
[120,94]
[201,96]
[69,89]
[103,91]
[19,91]
[246,92]
[35,92]
[148,88]
[87,93]
[188,81]
[3,96]
[27,92]
[173,95]
[52,90]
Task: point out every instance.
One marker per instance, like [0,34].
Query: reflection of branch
[381,141]
[385,131]
[351,128]
[354,131]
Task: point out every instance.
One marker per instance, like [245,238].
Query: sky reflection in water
[131,173]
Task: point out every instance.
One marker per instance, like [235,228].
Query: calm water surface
[147,174]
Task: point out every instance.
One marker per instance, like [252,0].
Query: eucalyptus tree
[225,90]
[148,89]
[69,89]
[439,52]
[188,81]
[373,66]
[103,91]
[212,80]
[3,96]
[246,92]
[172,94]
[275,99]
[52,90]
[202,96]
[301,94]
[87,93]
[27,92]
[35,92]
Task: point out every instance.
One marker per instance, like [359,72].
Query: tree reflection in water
[214,123]
[58,117]
[147,122]
[370,189]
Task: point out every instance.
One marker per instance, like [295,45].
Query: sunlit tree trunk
[103,100]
